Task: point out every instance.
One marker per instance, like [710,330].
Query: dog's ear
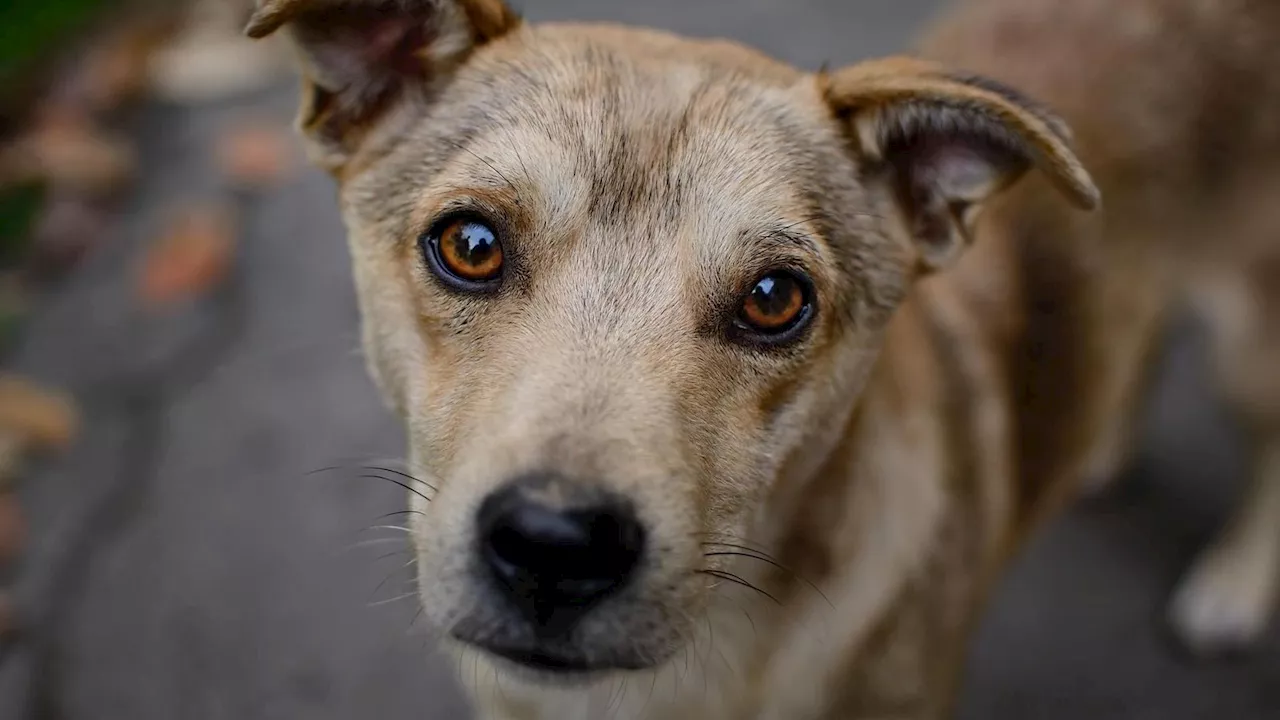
[361,56]
[946,143]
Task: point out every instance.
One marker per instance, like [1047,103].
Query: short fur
[978,346]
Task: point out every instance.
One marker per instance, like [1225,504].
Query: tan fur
[1187,152]
[976,337]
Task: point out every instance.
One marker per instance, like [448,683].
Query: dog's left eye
[777,308]
[465,253]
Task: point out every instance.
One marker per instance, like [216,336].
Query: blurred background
[184,528]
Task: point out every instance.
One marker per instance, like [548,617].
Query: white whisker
[398,598]
[399,528]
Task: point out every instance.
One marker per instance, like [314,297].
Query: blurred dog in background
[1174,108]
[731,388]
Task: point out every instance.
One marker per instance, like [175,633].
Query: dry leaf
[113,70]
[256,154]
[191,258]
[69,225]
[37,415]
[69,154]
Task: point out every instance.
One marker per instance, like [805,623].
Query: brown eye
[465,253]
[777,306]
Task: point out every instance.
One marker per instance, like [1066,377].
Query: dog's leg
[1129,313]
[1228,598]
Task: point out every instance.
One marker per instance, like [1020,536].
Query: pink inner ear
[941,179]
[364,49]
[394,43]
[960,172]
[960,168]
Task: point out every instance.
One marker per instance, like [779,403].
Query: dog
[732,388]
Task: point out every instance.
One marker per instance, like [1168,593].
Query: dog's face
[623,286]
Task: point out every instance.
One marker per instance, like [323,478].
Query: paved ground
[229,586]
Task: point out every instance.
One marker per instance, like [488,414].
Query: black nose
[558,547]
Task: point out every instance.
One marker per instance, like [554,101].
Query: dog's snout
[556,548]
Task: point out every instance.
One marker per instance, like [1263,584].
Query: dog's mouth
[546,661]
[556,662]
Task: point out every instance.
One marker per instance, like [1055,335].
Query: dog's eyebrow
[786,237]
[464,147]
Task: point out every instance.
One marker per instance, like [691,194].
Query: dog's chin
[536,667]
[561,666]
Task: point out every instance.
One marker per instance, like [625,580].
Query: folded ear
[360,56]
[947,142]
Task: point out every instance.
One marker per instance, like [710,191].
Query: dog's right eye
[464,253]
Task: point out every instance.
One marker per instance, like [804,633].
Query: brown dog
[735,385]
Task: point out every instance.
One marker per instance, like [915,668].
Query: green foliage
[28,28]
[19,209]
[30,33]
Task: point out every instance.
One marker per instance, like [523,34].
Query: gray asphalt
[236,586]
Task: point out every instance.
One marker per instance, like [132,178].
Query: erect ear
[361,56]
[947,142]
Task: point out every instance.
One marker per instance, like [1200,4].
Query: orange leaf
[192,258]
[36,414]
[256,154]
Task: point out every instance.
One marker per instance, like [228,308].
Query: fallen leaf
[68,153]
[256,154]
[112,71]
[68,226]
[191,258]
[37,415]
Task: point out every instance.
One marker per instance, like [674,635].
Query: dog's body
[889,445]
[1185,145]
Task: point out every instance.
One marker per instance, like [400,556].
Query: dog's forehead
[635,132]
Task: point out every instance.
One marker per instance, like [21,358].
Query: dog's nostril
[556,561]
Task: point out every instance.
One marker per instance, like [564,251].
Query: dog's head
[621,285]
